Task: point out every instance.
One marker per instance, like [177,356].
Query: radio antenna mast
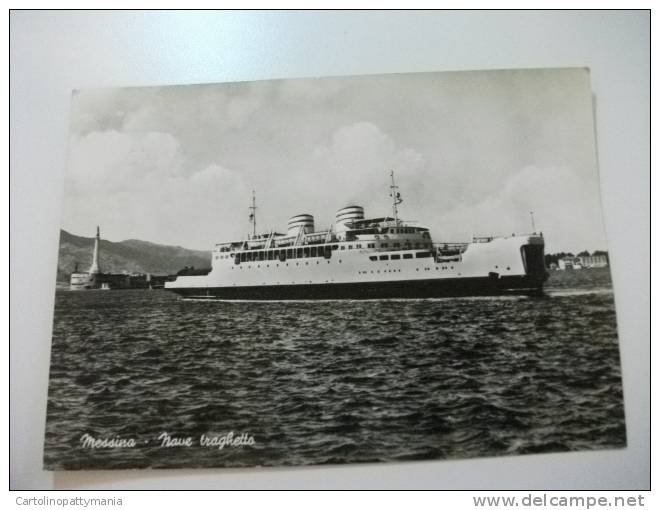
[396,198]
[253,215]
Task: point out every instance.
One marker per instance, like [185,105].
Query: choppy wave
[332,382]
[578,292]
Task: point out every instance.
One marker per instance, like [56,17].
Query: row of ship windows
[378,271]
[359,272]
[399,256]
[393,230]
[437,268]
[277,265]
[311,251]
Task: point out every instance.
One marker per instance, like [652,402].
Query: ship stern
[533,256]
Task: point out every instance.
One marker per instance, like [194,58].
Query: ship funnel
[346,216]
[301,221]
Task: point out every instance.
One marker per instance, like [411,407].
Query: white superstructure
[365,258]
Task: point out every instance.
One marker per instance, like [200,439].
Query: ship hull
[402,289]
[499,266]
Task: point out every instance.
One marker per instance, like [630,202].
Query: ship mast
[396,198]
[253,216]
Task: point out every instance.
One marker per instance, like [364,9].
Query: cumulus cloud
[310,92]
[111,161]
[569,218]
[354,167]
[134,184]
[472,153]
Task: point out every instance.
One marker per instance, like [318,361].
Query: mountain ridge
[131,256]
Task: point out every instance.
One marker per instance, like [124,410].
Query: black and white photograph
[362,269]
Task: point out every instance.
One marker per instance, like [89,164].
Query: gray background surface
[55,52]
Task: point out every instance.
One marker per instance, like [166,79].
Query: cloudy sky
[473,153]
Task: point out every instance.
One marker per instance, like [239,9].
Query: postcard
[333,270]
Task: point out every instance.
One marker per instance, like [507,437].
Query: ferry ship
[365,258]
